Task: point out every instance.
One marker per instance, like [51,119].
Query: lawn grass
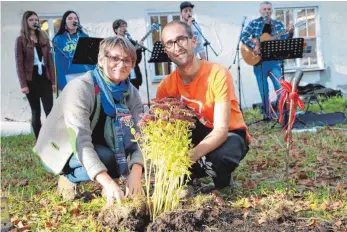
[318,180]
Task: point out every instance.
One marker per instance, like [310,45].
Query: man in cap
[187,17]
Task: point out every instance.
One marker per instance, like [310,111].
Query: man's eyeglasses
[180,41]
[116,60]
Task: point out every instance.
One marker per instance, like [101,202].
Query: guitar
[247,53]
[154,27]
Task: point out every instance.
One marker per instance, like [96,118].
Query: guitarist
[255,29]
[119,27]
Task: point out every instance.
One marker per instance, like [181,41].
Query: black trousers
[40,88]
[221,162]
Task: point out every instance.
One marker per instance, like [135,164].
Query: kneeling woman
[84,137]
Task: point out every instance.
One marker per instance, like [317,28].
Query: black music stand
[159,56]
[87,51]
[280,50]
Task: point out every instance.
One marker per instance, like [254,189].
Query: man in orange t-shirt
[221,136]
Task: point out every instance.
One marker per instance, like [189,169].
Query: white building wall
[220,22]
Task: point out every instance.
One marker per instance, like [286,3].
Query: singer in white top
[35,68]
[187,17]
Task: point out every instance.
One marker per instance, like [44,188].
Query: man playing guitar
[255,29]
[120,27]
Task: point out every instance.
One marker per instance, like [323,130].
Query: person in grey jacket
[87,135]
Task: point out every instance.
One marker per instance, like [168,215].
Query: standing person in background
[187,17]
[65,43]
[120,27]
[264,24]
[35,68]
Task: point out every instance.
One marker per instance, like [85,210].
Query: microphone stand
[237,56]
[206,43]
[143,49]
[146,74]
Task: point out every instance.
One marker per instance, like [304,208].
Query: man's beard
[182,61]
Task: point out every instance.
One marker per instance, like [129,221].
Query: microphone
[193,19]
[244,20]
[37,26]
[127,34]
[265,17]
[77,25]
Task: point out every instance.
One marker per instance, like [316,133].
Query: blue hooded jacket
[65,46]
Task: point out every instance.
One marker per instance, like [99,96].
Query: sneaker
[66,188]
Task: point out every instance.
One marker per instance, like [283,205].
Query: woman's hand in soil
[134,186]
[112,190]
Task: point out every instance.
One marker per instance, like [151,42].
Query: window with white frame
[160,70]
[307,21]
[50,25]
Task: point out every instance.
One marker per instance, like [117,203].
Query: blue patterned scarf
[117,135]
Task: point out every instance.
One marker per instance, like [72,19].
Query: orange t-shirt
[212,84]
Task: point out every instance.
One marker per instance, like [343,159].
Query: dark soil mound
[133,217]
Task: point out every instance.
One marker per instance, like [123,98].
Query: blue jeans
[262,72]
[76,173]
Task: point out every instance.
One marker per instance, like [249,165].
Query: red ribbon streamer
[287,94]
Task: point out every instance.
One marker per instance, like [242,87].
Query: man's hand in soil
[134,186]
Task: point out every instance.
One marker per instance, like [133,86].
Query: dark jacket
[25,61]
[138,81]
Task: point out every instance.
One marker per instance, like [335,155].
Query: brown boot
[66,188]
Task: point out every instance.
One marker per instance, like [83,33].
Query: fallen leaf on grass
[338,223]
[48,224]
[340,188]
[5,183]
[240,178]
[261,221]
[302,175]
[198,214]
[15,220]
[215,212]
[335,205]
[44,202]
[22,227]
[312,223]
[75,212]
[245,215]
[249,185]
[323,206]
[265,164]
[217,197]
[22,182]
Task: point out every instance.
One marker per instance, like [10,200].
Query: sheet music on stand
[87,51]
[282,49]
[158,54]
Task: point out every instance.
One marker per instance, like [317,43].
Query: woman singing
[35,68]
[65,42]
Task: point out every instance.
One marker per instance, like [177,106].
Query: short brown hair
[118,23]
[187,28]
[110,43]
